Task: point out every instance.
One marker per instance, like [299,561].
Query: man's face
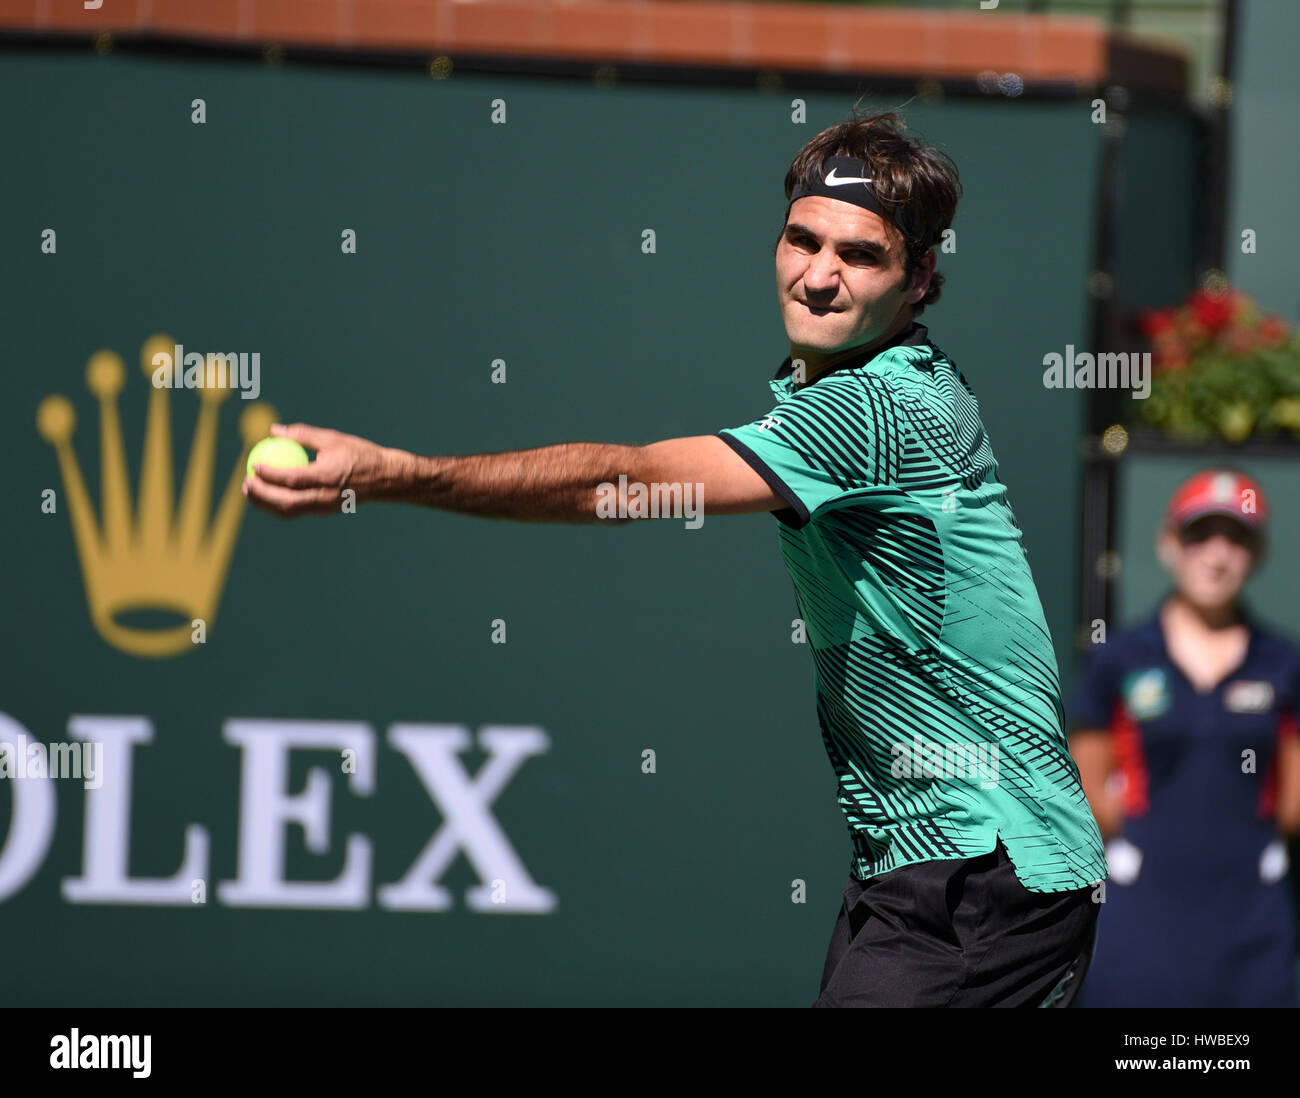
[840,276]
[1210,559]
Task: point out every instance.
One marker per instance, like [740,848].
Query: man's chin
[1212,600]
[817,340]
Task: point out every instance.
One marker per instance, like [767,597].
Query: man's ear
[921,278]
[1167,549]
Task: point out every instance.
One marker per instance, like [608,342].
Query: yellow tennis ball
[283,453]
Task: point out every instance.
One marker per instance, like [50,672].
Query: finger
[288,503]
[317,474]
[318,438]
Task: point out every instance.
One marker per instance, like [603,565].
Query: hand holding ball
[283,453]
[342,470]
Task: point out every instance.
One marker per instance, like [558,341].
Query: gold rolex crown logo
[164,556]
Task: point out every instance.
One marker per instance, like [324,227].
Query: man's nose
[822,275]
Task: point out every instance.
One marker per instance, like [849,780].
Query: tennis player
[975,858]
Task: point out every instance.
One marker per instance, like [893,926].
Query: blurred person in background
[1185,736]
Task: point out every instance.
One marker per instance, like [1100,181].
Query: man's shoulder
[833,387]
[911,373]
[1136,643]
[1278,647]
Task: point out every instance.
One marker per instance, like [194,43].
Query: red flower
[1272,331]
[1170,354]
[1189,327]
[1212,310]
[1155,322]
[1239,341]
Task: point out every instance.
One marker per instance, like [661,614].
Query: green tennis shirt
[938,694]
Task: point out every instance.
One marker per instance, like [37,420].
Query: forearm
[548,484]
[1288,797]
[1107,806]
[1108,811]
[1094,757]
[1288,817]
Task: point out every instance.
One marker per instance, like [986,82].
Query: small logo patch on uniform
[1146,693]
[1248,697]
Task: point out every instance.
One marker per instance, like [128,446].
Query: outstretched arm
[560,483]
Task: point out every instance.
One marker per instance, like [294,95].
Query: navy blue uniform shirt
[1198,904]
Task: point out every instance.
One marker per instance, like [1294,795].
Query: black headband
[846,179]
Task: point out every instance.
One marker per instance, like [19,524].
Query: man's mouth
[818,310]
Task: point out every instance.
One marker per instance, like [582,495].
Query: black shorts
[959,932]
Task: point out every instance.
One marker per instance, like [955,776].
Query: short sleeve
[830,438]
[1096,690]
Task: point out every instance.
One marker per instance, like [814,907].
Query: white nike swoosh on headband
[833,180]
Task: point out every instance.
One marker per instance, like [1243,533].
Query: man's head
[1213,536]
[848,276]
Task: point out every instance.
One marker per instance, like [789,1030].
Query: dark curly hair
[909,176]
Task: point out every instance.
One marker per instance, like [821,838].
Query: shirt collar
[914,335]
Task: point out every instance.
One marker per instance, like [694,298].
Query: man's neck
[1179,612]
[815,364]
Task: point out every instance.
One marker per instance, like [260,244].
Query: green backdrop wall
[476,242]
[1265,149]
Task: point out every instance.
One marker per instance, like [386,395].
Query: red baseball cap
[1219,492]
